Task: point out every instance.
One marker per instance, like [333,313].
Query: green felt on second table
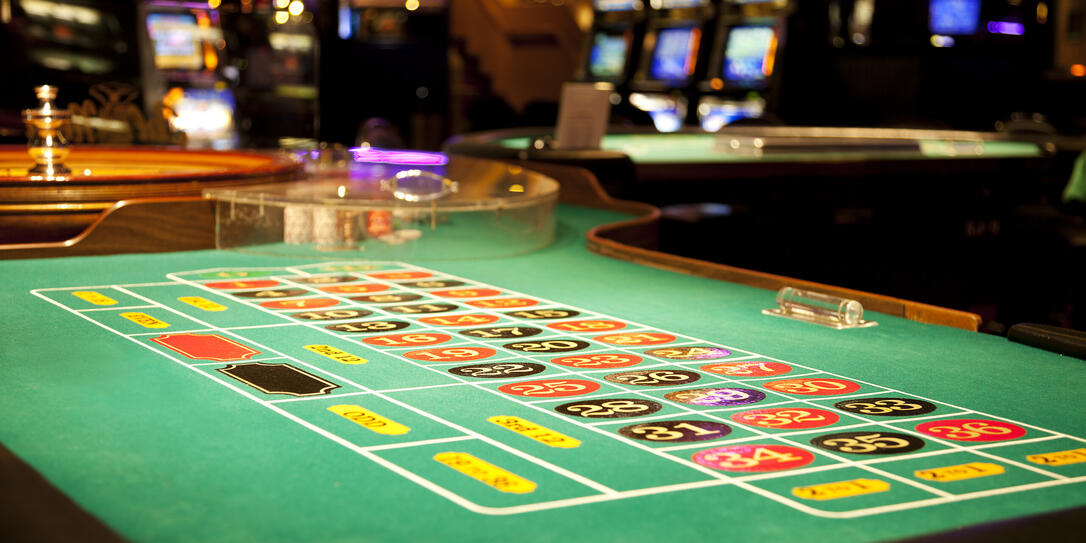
[1076,186]
[700,148]
[163,447]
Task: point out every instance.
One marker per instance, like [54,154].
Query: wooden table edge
[187,223]
[580,187]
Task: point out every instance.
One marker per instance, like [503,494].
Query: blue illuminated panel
[616,5]
[747,54]
[675,53]
[174,40]
[954,17]
[206,116]
[608,57]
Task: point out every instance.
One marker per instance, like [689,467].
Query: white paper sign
[583,114]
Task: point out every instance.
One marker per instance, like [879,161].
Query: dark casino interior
[999,236]
[924,157]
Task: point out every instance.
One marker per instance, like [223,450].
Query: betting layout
[504,402]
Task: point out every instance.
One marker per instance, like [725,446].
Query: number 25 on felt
[550,388]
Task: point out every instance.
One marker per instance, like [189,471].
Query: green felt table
[163,447]
[821,163]
[653,148]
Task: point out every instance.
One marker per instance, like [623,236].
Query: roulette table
[873,209]
[552,394]
[35,211]
[667,168]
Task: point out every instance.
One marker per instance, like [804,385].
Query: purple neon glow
[404,158]
[186,5]
[1006,27]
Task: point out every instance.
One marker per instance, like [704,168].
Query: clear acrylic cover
[391,205]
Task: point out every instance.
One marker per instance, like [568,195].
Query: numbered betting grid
[700,414]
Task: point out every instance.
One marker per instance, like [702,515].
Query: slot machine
[741,75]
[672,60]
[185,76]
[611,49]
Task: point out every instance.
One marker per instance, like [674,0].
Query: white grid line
[516,452]
[606,493]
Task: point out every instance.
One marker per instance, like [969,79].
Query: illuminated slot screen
[954,17]
[748,57]
[175,39]
[677,4]
[608,57]
[206,116]
[616,5]
[675,53]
